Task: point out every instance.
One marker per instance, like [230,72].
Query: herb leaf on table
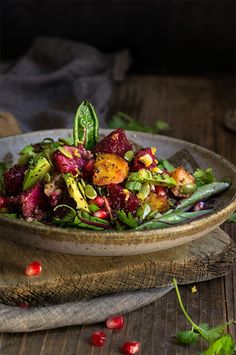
[219,343]
[122,120]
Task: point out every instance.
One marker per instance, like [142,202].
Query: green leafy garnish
[219,342]
[165,164]
[122,120]
[127,219]
[232,218]
[85,130]
[3,168]
[144,175]
[204,177]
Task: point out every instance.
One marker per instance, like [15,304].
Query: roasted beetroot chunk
[122,199]
[116,142]
[33,202]
[144,159]
[74,159]
[13,180]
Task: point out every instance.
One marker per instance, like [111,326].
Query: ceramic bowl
[83,242]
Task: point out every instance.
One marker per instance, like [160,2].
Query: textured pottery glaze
[83,242]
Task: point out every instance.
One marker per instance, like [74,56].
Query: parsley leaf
[127,219]
[122,120]
[221,346]
[204,177]
[219,343]
[187,337]
[232,218]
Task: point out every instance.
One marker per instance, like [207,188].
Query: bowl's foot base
[68,277]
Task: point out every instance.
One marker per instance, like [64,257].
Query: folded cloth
[44,88]
[16,319]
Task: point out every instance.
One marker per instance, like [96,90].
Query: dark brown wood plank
[195,107]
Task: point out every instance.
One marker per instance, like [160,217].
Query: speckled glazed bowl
[83,242]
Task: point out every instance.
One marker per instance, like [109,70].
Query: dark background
[163,36]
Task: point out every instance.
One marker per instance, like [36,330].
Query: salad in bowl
[82,183]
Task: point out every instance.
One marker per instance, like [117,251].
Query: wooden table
[195,108]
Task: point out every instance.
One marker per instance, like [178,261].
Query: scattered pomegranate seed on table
[33,269]
[24,305]
[130,347]
[115,323]
[98,338]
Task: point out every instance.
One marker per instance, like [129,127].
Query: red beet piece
[116,142]
[73,164]
[131,347]
[115,323]
[98,338]
[33,201]
[144,159]
[122,200]
[13,180]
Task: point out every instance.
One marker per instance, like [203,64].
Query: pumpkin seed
[65,152]
[90,192]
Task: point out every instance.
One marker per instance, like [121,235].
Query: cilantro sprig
[219,343]
[204,176]
[122,120]
[127,219]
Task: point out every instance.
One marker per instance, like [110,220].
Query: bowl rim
[151,235]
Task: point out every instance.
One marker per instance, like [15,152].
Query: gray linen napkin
[44,88]
[15,319]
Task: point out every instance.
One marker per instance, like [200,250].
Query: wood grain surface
[195,108]
[69,277]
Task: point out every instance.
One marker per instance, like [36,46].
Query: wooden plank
[67,277]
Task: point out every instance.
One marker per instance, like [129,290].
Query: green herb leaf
[187,337]
[122,120]
[204,177]
[232,218]
[3,168]
[144,175]
[85,129]
[165,164]
[127,219]
[221,346]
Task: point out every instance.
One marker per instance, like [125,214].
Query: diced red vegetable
[13,180]
[122,199]
[33,201]
[144,159]
[74,161]
[116,143]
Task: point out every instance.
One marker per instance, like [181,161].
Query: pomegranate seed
[89,165]
[33,269]
[198,206]
[160,191]
[131,347]
[99,201]
[101,214]
[24,305]
[3,201]
[98,338]
[116,322]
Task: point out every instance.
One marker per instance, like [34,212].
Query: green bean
[171,219]
[201,194]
